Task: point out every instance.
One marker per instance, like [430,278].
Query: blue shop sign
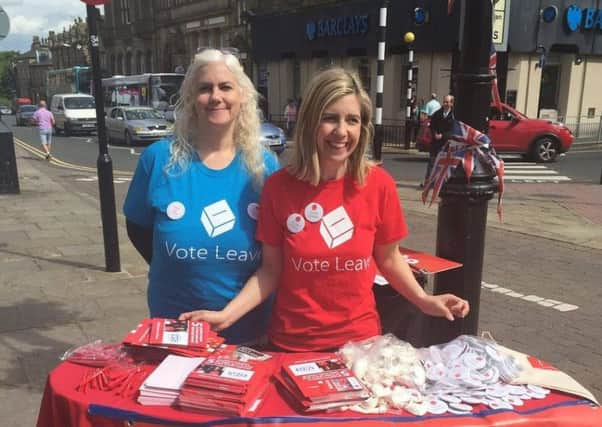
[339,26]
[587,18]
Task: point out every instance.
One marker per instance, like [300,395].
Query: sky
[30,18]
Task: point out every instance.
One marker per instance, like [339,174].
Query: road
[560,319]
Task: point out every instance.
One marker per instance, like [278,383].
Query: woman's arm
[259,286]
[396,270]
[141,238]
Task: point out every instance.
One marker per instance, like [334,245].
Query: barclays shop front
[549,54]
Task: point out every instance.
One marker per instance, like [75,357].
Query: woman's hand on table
[217,319]
[445,305]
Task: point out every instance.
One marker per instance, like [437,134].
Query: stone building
[163,35]
[30,70]
[70,47]
[549,53]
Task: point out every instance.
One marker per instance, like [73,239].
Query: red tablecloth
[63,406]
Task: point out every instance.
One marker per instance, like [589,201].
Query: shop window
[125,11]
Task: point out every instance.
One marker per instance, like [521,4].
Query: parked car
[5,111]
[137,125]
[273,137]
[511,131]
[73,113]
[24,114]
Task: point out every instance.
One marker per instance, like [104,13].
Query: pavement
[56,293]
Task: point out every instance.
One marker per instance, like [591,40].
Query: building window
[125,11]
[112,69]
[128,63]
[139,65]
[149,61]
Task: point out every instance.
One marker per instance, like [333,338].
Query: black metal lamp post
[104,164]
[462,215]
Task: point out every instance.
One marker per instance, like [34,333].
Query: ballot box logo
[336,227]
[217,218]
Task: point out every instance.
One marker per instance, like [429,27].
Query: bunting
[495,92]
[467,147]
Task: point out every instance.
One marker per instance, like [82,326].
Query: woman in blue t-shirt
[192,206]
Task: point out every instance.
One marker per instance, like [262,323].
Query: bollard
[9,179]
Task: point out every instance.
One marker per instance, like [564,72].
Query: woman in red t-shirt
[325,221]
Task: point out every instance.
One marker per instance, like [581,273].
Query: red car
[513,132]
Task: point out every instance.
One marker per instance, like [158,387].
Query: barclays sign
[587,19]
[339,26]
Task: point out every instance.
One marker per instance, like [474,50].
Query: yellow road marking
[60,163]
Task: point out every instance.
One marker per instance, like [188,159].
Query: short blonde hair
[246,128]
[322,91]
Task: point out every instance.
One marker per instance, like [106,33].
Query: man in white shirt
[432,106]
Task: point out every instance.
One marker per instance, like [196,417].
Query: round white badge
[253,210]
[314,212]
[295,223]
[175,210]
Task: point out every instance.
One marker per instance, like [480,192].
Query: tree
[7,77]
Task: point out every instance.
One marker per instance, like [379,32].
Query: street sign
[4,24]
[96,2]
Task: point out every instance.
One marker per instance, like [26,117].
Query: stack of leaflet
[163,385]
[155,338]
[319,382]
[226,386]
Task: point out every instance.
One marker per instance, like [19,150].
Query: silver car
[134,125]
[273,137]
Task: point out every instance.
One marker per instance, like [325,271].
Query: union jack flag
[461,132]
[467,146]
[443,169]
[495,92]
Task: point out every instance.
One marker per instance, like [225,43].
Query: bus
[76,79]
[157,90]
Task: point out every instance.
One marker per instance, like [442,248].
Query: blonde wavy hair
[322,91]
[246,127]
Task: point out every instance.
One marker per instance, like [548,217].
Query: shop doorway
[548,91]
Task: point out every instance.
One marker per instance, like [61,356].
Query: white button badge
[253,210]
[175,210]
[295,223]
[313,212]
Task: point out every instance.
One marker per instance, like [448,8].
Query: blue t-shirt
[204,246]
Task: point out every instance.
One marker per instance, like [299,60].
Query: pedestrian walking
[191,209]
[325,220]
[45,122]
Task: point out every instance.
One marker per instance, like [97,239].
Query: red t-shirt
[327,234]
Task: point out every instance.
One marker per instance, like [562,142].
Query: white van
[74,113]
